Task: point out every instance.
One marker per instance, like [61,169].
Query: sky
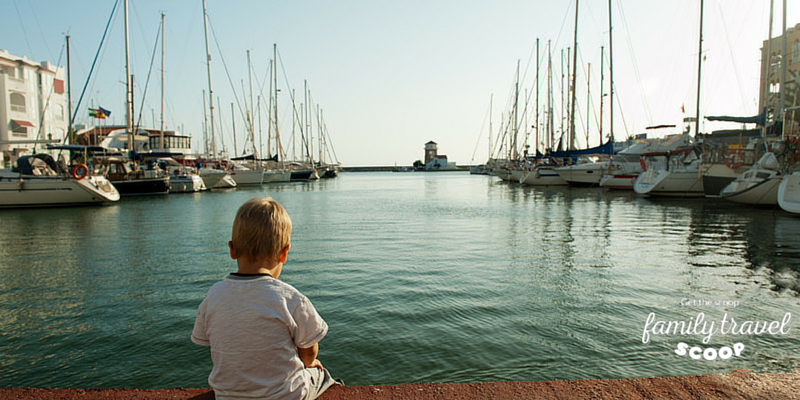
[391,76]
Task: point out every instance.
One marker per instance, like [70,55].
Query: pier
[738,385]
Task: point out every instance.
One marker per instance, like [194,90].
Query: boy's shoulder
[257,284]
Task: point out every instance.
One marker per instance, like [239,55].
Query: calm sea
[440,277]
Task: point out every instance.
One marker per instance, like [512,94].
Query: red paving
[737,385]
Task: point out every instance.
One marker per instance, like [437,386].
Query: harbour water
[442,277]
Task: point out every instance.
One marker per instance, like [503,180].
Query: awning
[23,123]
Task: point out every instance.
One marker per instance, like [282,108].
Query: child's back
[263,333]
[254,326]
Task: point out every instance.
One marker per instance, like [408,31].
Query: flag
[99,112]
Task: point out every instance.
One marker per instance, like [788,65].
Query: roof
[431,142]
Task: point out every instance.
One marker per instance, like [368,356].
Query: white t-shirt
[254,326]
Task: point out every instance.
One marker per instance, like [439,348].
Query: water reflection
[443,277]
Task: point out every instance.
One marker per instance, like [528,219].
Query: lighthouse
[430,151]
[434,161]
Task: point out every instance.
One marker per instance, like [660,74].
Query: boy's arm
[309,356]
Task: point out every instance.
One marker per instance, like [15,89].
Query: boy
[263,333]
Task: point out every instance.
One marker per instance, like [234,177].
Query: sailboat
[125,172]
[671,173]
[626,165]
[678,173]
[759,185]
[38,181]
[789,193]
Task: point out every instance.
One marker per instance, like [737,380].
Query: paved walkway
[737,385]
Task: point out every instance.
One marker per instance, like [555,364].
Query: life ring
[643,164]
[84,171]
[734,159]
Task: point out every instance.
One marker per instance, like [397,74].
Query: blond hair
[261,229]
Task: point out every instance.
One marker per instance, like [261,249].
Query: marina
[628,223]
[447,277]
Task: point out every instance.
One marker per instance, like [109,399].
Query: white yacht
[542,175]
[243,175]
[212,177]
[587,172]
[758,185]
[182,179]
[38,181]
[789,193]
[625,166]
[673,173]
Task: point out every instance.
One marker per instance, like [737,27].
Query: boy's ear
[283,254]
[233,252]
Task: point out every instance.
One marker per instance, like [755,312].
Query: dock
[737,385]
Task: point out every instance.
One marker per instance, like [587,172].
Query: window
[60,112]
[20,73]
[17,102]
[796,52]
[58,86]
[19,131]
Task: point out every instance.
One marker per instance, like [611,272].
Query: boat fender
[734,159]
[643,163]
[80,171]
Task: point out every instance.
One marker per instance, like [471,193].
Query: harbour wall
[738,384]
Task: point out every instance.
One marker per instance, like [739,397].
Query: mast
[601,95]
[221,137]
[210,91]
[767,70]
[574,79]
[269,129]
[536,144]
[69,97]
[611,75]
[563,98]
[525,115]
[514,151]
[294,122]
[278,145]
[588,97]
[252,116]
[549,97]
[161,137]
[491,100]
[205,123]
[233,126]
[128,86]
[699,67]
[784,61]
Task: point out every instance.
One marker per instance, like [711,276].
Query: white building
[33,106]
[434,161]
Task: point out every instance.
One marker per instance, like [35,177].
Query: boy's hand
[316,364]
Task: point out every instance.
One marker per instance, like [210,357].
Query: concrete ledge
[737,385]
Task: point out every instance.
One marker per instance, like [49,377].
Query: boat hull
[55,191]
[717,176]
[669,183]
[211,177]
[763,193]
[582,174]
[226,182]
[542,177]
[789,193]
[618,182]
[135,187]
[186,184]
[304,175]
[246,177]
